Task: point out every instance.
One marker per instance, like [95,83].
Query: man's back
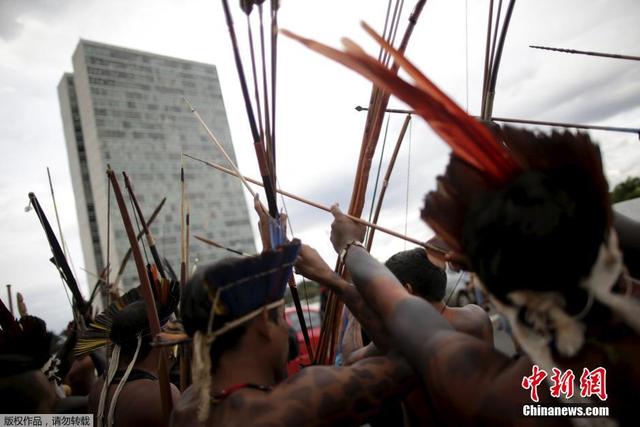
[316,396]
[139,402]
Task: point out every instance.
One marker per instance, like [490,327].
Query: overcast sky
[319,132]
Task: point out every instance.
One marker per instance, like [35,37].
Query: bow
[377,105]
[147,294]
[59,259]
[145,228]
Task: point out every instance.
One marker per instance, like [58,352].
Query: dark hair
[413,267]
[195,307]
[542,232]
[127,325]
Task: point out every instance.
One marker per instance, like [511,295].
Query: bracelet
[343,252]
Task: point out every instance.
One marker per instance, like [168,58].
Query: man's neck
[439,305]
[239,367]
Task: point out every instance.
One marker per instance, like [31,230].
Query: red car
[313,320]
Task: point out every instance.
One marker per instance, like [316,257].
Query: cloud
[14,13]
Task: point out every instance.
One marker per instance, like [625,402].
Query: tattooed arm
[465,377]
[326,396]
[312,266]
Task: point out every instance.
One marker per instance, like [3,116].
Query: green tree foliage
[628,189]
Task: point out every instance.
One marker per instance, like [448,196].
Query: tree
[628,189]
[308,290]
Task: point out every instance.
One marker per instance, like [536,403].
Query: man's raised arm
[312,266]
[463,374]
[379,287]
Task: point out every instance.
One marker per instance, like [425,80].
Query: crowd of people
[527,213]
[545,248]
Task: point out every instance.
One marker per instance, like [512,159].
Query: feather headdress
[166,295]
[250,283]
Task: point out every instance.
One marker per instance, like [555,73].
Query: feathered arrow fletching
[468,138]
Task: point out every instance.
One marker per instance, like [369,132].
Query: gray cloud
[10,12]
[14,12]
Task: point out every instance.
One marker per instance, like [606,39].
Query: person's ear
[409,288]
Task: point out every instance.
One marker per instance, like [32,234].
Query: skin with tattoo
[470,320]
[467,380]
[316,396]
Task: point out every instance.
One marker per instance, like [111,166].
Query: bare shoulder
[185,409]
[472,312]
[471,319]
[140,403]
[148,391]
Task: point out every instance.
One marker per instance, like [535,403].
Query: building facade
[125,108]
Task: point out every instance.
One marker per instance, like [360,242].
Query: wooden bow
[147,295]
[59,260]
[378,103]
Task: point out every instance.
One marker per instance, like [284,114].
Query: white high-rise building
[125,108]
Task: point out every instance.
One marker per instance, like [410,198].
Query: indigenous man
[409,267]
[234,311]
[131,394]
[576,320]
[530,215]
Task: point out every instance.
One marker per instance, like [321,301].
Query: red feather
[469,139]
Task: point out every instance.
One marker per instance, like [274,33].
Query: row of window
[157,69]
[94,71]
[95,60]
